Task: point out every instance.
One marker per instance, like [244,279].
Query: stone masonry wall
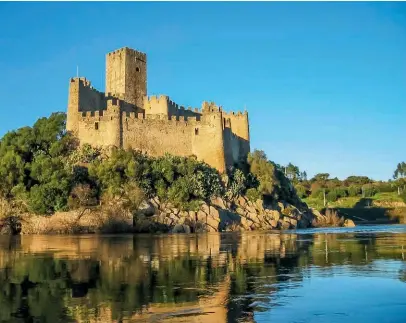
[125,117]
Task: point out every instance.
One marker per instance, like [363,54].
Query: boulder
[281,206]
[213,223]
[218,202]
[242,201]
[155,202]
[192,215]
[284,225]
[205,208]
[259,204]
[245,223]
[213,212]
[179,228]
[349,223]
[240,211]
[201,216]
[146,209]
[274,223]
[275,215]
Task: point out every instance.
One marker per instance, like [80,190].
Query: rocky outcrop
[220,215]
[349,223]
[154,216]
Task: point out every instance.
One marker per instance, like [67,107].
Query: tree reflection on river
[309,276]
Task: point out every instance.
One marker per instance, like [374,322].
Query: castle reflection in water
[171,278]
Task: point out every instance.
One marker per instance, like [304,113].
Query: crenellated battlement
[173,120]
[238,114]
[124,50]
[125,116]
[210,107]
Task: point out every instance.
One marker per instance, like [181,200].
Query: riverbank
[154,216]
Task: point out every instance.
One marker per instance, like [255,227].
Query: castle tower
[126,75]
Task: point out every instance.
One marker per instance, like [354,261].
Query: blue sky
[324,83]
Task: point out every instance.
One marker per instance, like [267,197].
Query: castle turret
[126,75]
[208,141]
[114,132]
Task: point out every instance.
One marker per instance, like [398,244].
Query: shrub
[253,194]
[318,193]
[272,181]
[301,191]
[332,196]
[354,190]
[403,196]
[235,182]
[369,190]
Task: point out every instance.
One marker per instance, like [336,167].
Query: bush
[385,188]
[272,181]
[253,194]
[403,196]
[318,193]
[301,191]
[354,190]
[369,190]
[332,196]
[236,183]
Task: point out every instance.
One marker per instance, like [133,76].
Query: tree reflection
[223,276]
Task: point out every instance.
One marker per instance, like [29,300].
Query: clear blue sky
[324,83]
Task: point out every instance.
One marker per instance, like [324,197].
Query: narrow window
[96,126]
[137,69]
[196,131]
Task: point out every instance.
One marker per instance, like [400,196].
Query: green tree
[400,171]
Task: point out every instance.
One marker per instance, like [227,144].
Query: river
[321,275]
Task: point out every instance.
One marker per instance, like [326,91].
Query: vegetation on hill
[356,196]
[43,171]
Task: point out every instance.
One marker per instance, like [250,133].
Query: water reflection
[309,276]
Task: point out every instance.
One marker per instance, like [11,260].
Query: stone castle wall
[126,117]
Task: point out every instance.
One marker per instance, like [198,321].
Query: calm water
[334,275]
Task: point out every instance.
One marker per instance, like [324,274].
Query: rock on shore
[220,215]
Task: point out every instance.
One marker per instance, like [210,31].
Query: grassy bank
[381,208]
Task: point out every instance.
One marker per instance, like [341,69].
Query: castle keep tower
[126,117]
[126,75]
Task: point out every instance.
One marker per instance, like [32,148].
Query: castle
[124,116]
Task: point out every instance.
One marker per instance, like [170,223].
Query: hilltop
[53,184]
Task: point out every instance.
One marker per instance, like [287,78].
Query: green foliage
[272,181]
[385,187]
[301,190]
[182,181]
[403,196]
[32,162]
[354,190]
[318,193]
[236,183]
[332,196]
[320,177]
[357,180]
[400,171]
[368,190]
[253,194]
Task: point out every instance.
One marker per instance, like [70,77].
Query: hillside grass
[356,201]
[385,207]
